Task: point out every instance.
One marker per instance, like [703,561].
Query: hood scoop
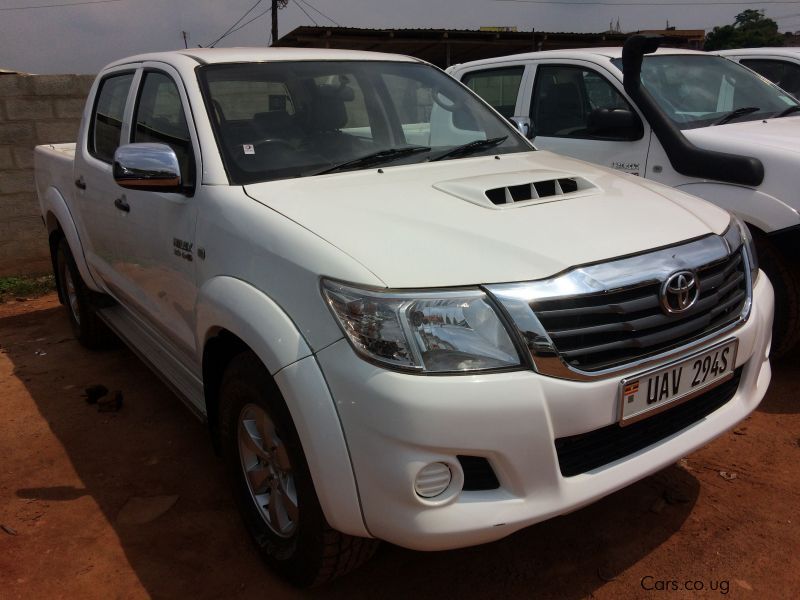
[512,190]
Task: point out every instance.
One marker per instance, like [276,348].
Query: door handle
[122,204]
[80,183]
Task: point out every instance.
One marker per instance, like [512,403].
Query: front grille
[586,451]
[598,331]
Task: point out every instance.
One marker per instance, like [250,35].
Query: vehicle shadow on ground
[154,447]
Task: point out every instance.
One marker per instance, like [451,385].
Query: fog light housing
[432,480]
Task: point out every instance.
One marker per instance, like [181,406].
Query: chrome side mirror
[523,125]
[147,167]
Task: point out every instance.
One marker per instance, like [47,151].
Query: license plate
[650,392]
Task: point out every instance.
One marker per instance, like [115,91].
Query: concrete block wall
[34,109]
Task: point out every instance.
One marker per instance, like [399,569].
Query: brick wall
[34,109]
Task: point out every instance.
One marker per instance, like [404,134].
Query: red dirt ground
[67,470]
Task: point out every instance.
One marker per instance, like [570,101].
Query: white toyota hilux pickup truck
[690,120]
[400,321]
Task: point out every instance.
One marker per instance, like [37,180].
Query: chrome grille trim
[618,277]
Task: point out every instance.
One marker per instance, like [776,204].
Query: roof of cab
[239,55]
[777,51]
[585,53]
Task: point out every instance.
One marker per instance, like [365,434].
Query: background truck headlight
[435,332]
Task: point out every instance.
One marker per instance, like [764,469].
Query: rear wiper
[471,147]
[734,114]
[373,158]
[787,111]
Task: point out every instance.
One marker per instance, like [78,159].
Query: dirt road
[67,471]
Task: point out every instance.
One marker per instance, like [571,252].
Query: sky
[83,38]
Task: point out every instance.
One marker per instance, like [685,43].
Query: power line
[634,4]
[239,20]
[315,9]
[59,5]
[300,6]
[243,25]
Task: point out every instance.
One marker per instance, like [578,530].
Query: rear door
[95,188]
[567,98]
[156,256]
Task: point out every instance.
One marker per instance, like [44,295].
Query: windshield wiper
[373,158]
[735,114]
[787,111]
[471,147]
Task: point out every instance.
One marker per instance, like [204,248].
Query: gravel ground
[134,503]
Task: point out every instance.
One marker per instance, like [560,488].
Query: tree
[750,29]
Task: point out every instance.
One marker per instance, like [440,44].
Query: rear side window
[160,119]
[785,74]
[499,87]
[106,124]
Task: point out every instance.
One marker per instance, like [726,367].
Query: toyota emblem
[679,292]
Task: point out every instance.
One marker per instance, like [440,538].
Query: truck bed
[53,168]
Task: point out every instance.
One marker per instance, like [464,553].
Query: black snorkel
[686,158]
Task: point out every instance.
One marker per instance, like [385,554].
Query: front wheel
[272,484]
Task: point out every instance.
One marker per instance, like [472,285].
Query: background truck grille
[598,331]
[586,451]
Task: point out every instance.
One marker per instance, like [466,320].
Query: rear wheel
[272,484]
[87,326]
[785,278]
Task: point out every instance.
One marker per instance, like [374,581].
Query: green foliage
[750,29]
[25,287]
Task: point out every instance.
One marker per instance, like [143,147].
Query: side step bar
[186,385]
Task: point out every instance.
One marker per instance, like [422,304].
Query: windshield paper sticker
[249,149]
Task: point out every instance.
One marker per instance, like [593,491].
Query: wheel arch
[755,208]
[59,222]
[234,317]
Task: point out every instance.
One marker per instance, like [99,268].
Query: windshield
[698,91]
[293,119]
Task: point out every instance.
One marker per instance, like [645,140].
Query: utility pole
[274,22]
[276,4]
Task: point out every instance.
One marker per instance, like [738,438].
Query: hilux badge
[679,292]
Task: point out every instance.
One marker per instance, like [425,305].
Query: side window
[159,118]
[782,73]
[572,101]
[499,87]
[106,124]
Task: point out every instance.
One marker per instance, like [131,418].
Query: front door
[569,112]
[156,257]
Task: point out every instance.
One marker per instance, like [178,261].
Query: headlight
[750,245]
[435,332]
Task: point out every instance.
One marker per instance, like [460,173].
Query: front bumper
[396,423]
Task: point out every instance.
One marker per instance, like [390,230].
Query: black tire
[314,553]
[87,326]
[785,278]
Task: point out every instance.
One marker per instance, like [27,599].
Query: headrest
[328,112]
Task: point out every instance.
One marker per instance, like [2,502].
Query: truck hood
[432,224]
[775,142]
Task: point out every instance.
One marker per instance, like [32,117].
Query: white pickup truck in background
[400,321]
[780,65]
[669,125]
